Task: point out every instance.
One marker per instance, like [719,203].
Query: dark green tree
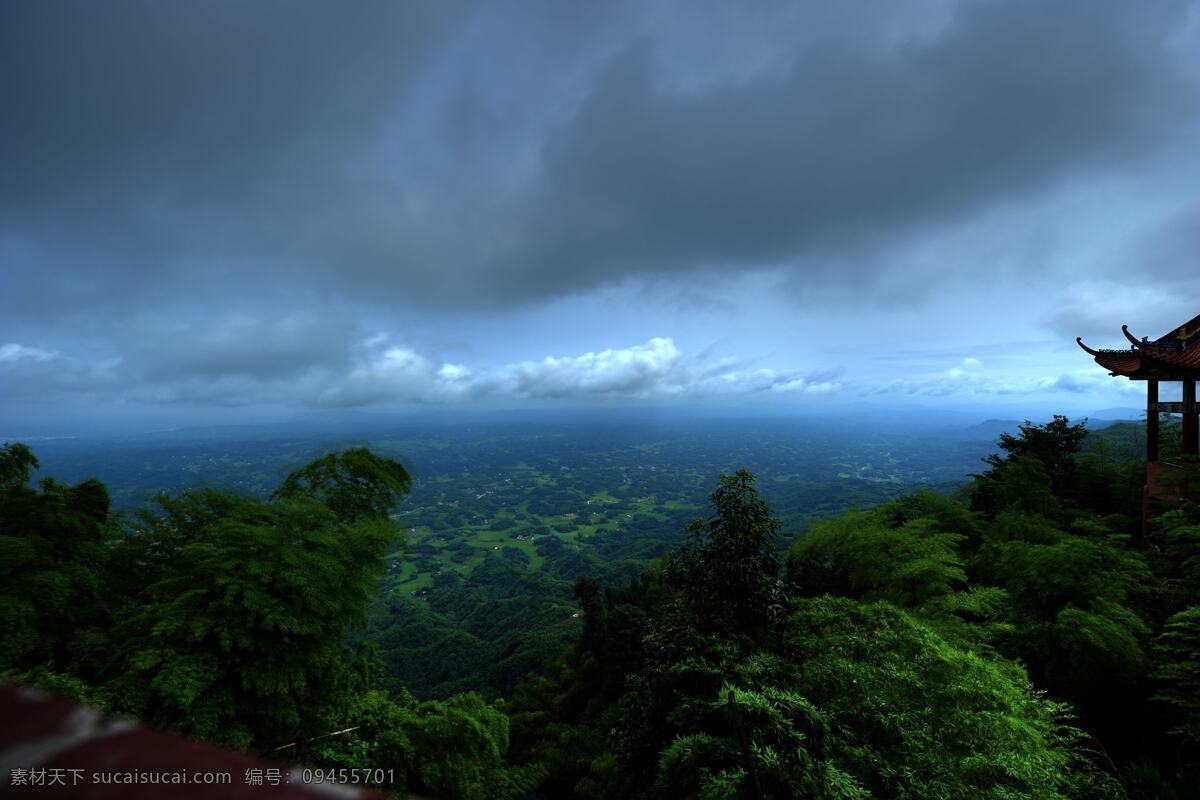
[1053,446]
[728,570]
[909,565]
[240,635]
[1073,601]
[1054,443]
[354,484]
[453,748]
[1178,673]
[17,463]
[920,717]
[856,700]
[53,602]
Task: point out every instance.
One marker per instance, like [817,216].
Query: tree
[452,748]
[17,463]
[1072,597]
[855,700]
[910,565]
[1178,672]
[52,562]
[728,569]
[354,484]
[1054,443]
[239,636]
[921,717]
[1053,446]
[1019,484]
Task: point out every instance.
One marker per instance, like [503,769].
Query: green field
[504,518]
[435,548]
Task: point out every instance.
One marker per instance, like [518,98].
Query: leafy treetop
[354,484]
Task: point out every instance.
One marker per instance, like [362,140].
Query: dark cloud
[845,147]
[1096,310]
[241,345]
[1166,252]
[402,153]
[40,375]
[150,146]
[223,202]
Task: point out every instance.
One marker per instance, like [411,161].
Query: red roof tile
[1121,362]
[51,747]
[1188,359]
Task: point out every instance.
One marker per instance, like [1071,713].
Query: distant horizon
[869,415]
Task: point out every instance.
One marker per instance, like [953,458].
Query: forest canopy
[1020,638]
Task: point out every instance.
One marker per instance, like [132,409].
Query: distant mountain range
[1131,414]
[991,429]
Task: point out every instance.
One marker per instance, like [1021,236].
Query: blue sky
[240,209]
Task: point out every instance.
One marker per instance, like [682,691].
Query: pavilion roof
[1172,356]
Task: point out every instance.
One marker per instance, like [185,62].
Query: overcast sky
[294,205]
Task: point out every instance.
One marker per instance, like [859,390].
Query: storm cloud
[205,199]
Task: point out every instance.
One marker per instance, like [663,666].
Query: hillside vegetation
[1020,639]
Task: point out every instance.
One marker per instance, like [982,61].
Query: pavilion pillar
[1191,420]
[1151,421]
